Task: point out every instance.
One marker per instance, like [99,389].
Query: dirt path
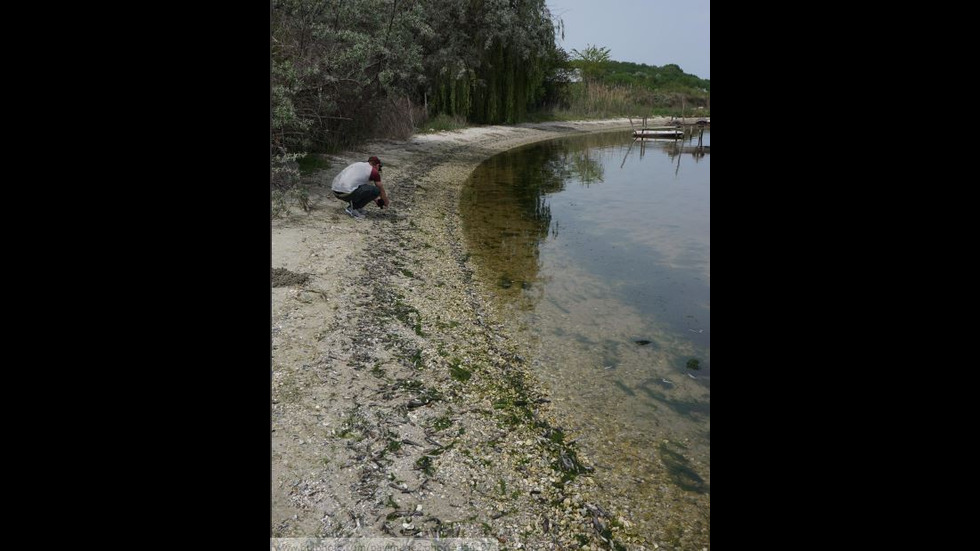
[400,404]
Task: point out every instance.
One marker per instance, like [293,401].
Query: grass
[424,464]
[602,101]
[443,422]
[311,163]
[409,316]
[391,502]
[459,373]
[596,102]
[444,325]
[443,122]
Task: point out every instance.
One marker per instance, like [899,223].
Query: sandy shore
[401,404]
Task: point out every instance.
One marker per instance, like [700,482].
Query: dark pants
[364,194]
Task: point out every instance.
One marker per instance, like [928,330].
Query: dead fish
[642,342]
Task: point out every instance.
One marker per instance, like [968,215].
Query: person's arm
[376,177]
[384,194]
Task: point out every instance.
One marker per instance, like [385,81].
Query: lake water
[598,249]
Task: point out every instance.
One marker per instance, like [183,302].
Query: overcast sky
[654,32]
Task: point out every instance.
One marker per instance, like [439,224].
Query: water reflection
[611,226]
[597,249]
[507,215]
[693,144]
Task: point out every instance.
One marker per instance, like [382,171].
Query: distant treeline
[349,70]
[669,78]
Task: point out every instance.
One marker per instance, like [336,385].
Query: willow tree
[489,59]
[338,64]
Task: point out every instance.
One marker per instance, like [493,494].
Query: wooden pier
[675,129]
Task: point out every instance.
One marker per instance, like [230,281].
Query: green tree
[337,64]
[490,58]
[341,68]
[592,62]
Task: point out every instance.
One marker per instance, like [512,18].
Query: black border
[206,130]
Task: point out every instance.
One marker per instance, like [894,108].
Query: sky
[654,32]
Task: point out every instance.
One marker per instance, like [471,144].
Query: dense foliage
[490,58]
[667,78]
[343,71]
[343,68]
[634,87]
[339,65]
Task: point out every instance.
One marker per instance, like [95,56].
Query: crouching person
[358,185]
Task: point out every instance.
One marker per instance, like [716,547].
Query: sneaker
[354,212]
[361,211]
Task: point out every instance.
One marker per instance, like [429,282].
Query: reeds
[597,100]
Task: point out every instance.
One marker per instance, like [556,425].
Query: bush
[286,183]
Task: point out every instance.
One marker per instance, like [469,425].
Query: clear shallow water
[599,246]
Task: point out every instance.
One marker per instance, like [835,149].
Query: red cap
[374,159]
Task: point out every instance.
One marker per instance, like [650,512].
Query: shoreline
[401,404]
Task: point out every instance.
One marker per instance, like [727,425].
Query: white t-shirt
[351,177]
